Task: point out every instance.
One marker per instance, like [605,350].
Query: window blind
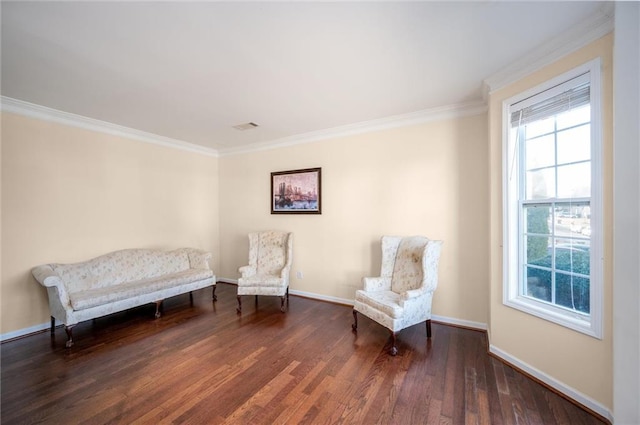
[564,101]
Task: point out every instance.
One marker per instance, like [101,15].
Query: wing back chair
[270,256]
[401,296]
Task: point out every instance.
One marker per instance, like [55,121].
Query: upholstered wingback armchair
[401,296]
[270,256]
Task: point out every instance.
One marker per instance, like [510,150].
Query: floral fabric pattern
[121,280]
[121,266]
[402,296]
[270,258]
[407,268]
[272,253]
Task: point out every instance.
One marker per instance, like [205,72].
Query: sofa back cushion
[121,266]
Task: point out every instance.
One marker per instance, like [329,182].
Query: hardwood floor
[203,364]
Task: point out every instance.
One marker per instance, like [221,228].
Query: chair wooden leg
[282,301]
[158,307]
[429,328]
[354,326]
[53,325]
[394,350]
[69,330]
[256,301]
[213,293]
[191,298]
[239,308]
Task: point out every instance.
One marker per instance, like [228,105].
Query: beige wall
[70,194]
[579,361]
[429,179]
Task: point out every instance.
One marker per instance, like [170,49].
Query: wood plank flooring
[203,364]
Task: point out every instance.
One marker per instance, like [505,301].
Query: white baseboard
[305,294]
[25,331]
[225,280]
[554,383]
[321,297]
[459,322]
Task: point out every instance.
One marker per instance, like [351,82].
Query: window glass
[539,151]
[540,127]
[574,144]
[574,181]
[538,281]
[538,251]
[541,184]
[574,117]
[538,219]
[572,292]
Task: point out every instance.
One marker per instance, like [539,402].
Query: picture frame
[296,191]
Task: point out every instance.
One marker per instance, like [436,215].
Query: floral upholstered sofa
[121,280]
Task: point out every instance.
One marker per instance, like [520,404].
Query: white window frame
[590,324]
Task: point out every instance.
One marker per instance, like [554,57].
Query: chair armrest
[372,284]
[247,271]
[413,293]
[199,259]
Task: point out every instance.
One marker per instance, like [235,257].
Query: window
[553,204]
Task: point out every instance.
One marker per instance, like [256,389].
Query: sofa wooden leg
[213,293]
[394,350]
[53,325]
[191,298]
[158,307]
[256,301]
[69,331]
[429,328]
[354,327]
[239,308]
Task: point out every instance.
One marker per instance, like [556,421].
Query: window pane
[572,258]
[538,219]
[538,284]
[538,251]
[540,127]
[574,144]
[541,184]
[573,220]
[540,152]
[574,181]
[572,292]
[574,117]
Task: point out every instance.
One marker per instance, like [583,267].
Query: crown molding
[32,110]
[395,121]
[597,25]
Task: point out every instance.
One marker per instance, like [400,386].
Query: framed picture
[296,192]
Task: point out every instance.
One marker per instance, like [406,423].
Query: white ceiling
[191,71]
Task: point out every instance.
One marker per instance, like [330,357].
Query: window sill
[560,316]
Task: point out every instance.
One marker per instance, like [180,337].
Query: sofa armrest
[46,275]
[199,259]
[376,284]
[48,278]
[247,271]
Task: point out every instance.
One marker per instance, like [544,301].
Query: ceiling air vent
[245,126]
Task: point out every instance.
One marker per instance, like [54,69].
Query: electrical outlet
[299,274]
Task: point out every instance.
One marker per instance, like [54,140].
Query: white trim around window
[513,277]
